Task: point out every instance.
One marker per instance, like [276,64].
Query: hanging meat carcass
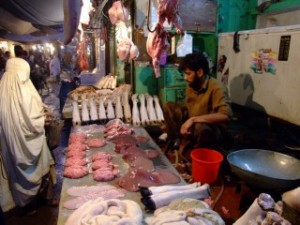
[168,10]
[83,58]
[157,42]
[118,12]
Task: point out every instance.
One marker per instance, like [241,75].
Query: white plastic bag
[184,45]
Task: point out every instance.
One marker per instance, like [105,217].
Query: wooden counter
[160,163]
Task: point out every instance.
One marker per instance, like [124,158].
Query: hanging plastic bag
[184,45]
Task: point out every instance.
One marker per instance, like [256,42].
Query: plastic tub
[206,165]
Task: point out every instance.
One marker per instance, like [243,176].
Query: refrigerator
[261,70]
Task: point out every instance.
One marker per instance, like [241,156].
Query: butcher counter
[160,162]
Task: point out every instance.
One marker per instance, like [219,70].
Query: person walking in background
[24,151]
[55,67]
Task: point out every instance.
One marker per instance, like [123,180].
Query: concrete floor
[247,130]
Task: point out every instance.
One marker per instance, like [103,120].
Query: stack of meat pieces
[115,128]
[76,161]
[103,167]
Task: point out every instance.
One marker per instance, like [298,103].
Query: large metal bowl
[266,170]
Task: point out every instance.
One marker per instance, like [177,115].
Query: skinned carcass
[157,41]
[157,44]
[168,10]
[118,12]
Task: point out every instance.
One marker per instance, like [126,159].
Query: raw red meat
[136,178]
[142,139]
[112,193]
[151,154]
[102,156]
[80,154]
[77,137]
[100,164]
[76,161]
[87,190]
[168,10]
[132,152]
[105,174]
[118,12]
[77,147]
[75,172]
[96,143]
[157,43]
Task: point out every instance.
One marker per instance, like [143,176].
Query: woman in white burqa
[24,151]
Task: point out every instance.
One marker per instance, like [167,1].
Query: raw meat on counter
[103,164]
[136,178]
[105,174]
[75,172]
[116,127]
[83,190]
[96,142]
[77,137]
[76,147]
[103,168]
[132,152]
[102,156]
[80,154]
[107,194]
[76,161]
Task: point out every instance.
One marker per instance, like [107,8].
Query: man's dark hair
[194,61]
[18,51]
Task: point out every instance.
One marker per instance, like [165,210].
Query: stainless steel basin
[265,169]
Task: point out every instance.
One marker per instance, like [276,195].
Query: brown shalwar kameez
[210,98]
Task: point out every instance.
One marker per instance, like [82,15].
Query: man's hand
[185,128]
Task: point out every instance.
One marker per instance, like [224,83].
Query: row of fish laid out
[142,110]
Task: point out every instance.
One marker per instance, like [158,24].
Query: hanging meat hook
[148,17]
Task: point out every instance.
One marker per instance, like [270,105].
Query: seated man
[196,122]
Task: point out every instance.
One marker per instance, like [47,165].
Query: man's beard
[196,83]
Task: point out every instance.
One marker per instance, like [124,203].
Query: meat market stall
[160,163]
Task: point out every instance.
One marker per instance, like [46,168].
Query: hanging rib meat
[168,10]
[157,43]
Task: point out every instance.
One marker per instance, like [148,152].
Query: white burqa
[24,150]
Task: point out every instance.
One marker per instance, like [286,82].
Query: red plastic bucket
[206,165]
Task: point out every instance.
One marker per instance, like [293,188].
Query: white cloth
[54,66]
[24,150]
